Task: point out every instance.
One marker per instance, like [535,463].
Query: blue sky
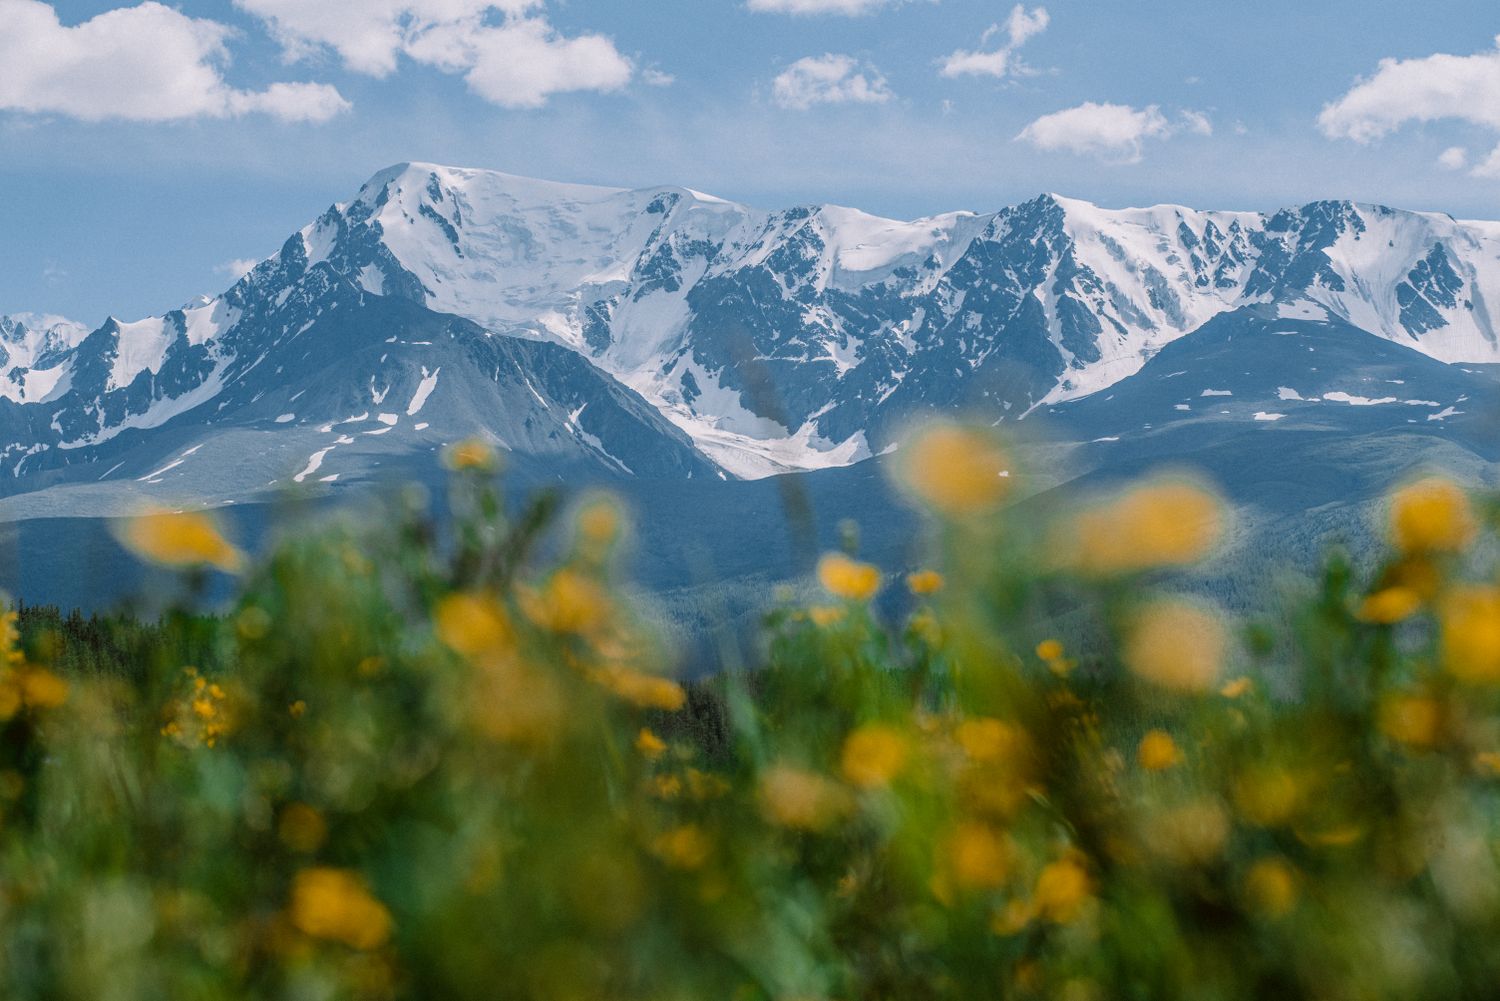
[142,153]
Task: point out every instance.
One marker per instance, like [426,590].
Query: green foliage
[406,768]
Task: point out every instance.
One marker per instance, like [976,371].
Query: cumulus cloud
[1112,132]
[846,7]
[237,268]
[1019,28]
[507,50]
[1454,158]
[829,79]
[144,63]
[1428,89]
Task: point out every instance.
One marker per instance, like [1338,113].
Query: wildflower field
[400,767]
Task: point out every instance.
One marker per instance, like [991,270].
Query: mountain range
[694,351]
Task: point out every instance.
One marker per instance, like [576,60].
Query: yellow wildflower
[190,539]
[1390,605]
[297,709]
[1268,795]
[472,454]
[41,689]
[924,582]
[977,858]
[704,785]
[1270,887]
[847,578]
[991,741]
[1177,645]
[598,523]
[334,904]
[1470,619]
[1062,890]
[1431,516]
[665,786]
[645,691]
[472,624]
[650,746]
[1158,751]
[824,616]
[1236,688]
[1413,720]
[874,755]
[571,602]
[1168,523]
[685,847]
[797,798]
[1049,650]
[957,472]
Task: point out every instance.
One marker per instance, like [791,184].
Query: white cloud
[1429,89]
[1196,122]
[1019,28]
[1454,158]
[1113,132]
[829,79]
[144,63]
[507,50]
[653,77]
[847,7]
[237,268]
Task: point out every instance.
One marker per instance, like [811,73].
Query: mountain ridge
[775,340]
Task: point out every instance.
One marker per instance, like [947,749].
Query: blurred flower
[598,522]
[1391,605]
[645,691]
[1236,688]
[796,798]
[685,847]
[924,582]
[1470,618]
[1049,650]
[976,857]
[1062,890]
[570,602]
[41,689]
[650,746]
[1270,887]
[1432,515]
[958,472]
[991,741]
[473,454]
[1168,523]
[1158,751]
[334,904]
[824,616]
[1411,719]
[472,624]
[874,755]
[847,578]
[1176,644]
[1267,795]
[181,540]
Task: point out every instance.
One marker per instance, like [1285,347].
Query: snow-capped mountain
[705,337]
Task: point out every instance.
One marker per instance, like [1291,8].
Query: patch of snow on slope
[424,390]
[1357,401]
